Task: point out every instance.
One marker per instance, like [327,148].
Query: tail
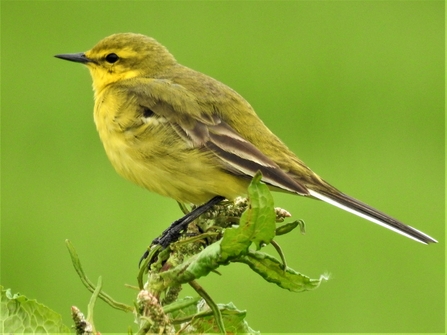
[356,207]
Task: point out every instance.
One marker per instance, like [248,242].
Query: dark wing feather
[246,159]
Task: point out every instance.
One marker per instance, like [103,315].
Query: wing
[200,125]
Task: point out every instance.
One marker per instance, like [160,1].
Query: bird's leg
[172,233]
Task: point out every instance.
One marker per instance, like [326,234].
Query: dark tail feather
[356,207]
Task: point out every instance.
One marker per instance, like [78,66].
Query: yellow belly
[156,158]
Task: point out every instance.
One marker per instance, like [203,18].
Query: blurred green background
[356,89]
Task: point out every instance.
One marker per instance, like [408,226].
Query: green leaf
[257,224]
[288,227]
[271,270]
[264,215]
[234,320]
[22,315]
[195,267]
[182,308]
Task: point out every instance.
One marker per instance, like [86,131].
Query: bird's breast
[151,154]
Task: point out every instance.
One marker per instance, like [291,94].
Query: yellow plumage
[182,134]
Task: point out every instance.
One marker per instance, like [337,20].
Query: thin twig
[216,311]
[90,286]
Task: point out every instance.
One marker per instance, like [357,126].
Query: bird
[182,134]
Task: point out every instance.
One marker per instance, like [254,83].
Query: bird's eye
[112,58]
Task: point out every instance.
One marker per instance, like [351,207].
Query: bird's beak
[77,57]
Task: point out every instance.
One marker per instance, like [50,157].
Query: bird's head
[123,56]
